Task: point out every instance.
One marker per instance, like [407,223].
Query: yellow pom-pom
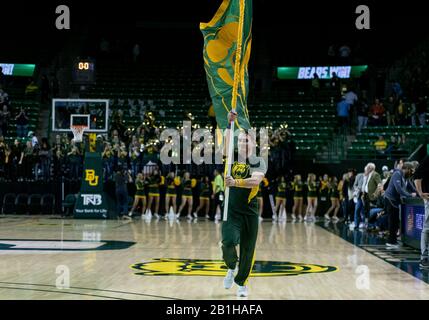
[162,180]
[193,183]
[177,181]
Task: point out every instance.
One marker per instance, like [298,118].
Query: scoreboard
[84,71]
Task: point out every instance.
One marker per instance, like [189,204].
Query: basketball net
[78,131]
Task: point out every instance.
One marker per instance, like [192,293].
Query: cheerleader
[204,197]
[140,195]
[280,200]
[311,198]
[334,194]
[186,195]
[171,195]
[155,180]
[297,186]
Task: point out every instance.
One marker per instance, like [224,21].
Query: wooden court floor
[47,258]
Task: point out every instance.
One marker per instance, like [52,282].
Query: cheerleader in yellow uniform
[280,200]
[187,185]
[334,194]
[297,186]
[171,194]
[140,195]
[310,214]
[204,197]
[155,180]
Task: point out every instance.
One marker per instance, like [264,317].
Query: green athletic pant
[240,229]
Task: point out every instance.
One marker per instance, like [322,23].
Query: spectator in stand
[45,159]
[315,86]
[16,157]
[28,162]
[421,110]
[377,216]
[381,144]
[335,81]
[351,97]
[31,89]
[34,140]
[58,160]
[4,121]
[401,113]
[362,111]
[8,164]
[343,112]
[390,111]
[4,98]
[377,113]
[21,121]
[369,187]
[397,90]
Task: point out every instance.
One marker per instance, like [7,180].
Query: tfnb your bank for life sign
[91,202]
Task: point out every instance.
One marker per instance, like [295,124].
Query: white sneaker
[189,217]
[177,215]
[195,215]
[361,225]
[327,217]
[284,216]
[274,217]
[156,216]
[242,292]
[228,281]
[352,226]
[293,217]
[217,217]
[130,214]
[207,216]
[300,218]
[261,219]
[306,218]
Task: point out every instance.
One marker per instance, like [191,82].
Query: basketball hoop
[78,131]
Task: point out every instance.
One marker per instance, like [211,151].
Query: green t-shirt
[218,184]
[243,200]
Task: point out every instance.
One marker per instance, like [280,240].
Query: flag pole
[237,68]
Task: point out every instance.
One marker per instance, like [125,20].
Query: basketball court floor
[51,258]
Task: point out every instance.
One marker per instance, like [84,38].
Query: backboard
[64,109]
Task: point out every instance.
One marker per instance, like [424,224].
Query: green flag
[227,46]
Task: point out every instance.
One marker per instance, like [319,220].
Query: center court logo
[191,267]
